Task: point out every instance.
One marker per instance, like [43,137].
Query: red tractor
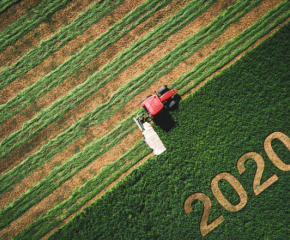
[154,104]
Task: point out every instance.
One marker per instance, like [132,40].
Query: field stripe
[72,99]
[4,4]
[97,116]
[29,21]
[48,46]
[43,31]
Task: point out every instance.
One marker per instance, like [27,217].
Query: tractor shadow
[164,120]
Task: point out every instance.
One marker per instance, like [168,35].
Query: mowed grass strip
[80,196]
[64,167]
[33,161]
[72,99]
[29,21]
[4,4]
[230,115]
[47,47]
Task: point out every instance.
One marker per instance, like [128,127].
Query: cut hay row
[91,152]
[253,28]
[4,4]
[123,95]
[29,21]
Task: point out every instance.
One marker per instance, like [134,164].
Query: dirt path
[172,76]
[44,30]
[68,119]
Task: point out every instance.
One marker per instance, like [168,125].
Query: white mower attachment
[152,139]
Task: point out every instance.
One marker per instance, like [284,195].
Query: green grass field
[229,116]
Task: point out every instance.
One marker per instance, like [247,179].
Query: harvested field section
[64,192]
[44,30]
[71,48]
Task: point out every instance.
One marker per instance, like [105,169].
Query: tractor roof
[153,104]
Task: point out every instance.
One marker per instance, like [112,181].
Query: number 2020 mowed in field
[257,186]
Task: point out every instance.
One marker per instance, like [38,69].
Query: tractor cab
[153,105]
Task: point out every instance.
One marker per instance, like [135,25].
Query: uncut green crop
[29,21]
[47,47]
[230,115]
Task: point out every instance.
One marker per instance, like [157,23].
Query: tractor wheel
[145,98]
[163,90]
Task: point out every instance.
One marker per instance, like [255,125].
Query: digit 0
[257,186]
[270,152]
[236,185]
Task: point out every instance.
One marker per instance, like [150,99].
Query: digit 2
[204,227]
